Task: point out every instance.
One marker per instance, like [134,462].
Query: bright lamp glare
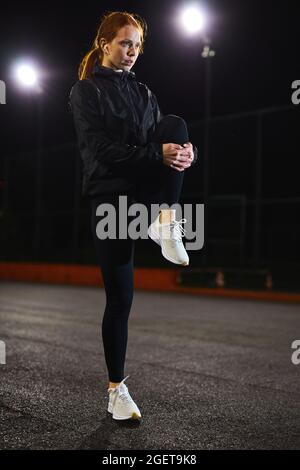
[26,75]
[193,19]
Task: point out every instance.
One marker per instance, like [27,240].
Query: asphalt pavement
[206,373]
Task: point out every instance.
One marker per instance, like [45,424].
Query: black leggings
[157,185]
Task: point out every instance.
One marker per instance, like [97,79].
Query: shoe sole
[134,416]
[154,236]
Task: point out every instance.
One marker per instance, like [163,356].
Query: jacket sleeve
[94,138]
[158,115]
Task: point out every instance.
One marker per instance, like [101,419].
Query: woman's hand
[189,145]
[177,156]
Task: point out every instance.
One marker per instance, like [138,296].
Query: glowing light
[193,19]
[26,75]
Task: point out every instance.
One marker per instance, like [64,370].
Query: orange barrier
[161,280]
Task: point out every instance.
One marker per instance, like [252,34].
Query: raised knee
[173,117]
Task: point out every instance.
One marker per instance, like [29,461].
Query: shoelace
[124,395]
[176,229]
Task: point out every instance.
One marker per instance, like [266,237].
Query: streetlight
[27,75]
[195,20]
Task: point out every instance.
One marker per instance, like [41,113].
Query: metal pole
[257,207]
[38,196]
[207,54]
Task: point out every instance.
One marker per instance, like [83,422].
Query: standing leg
[115,258]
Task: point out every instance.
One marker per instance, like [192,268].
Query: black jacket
[114,117]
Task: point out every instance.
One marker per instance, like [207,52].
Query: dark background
[256,61]
[257,45]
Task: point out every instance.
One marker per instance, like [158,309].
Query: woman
[127,148]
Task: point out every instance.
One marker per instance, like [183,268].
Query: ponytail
[88,63]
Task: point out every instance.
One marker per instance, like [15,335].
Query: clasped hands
[178,156]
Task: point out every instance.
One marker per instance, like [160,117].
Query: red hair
[110,24]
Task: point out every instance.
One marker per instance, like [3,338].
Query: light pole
[27,75]
[194,20]
[207,54]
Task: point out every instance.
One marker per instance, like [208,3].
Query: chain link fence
[249,185]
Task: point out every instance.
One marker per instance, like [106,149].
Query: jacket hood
[111,74]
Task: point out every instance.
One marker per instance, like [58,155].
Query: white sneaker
[121,405]
[168,236]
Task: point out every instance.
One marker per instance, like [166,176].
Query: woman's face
[122,52]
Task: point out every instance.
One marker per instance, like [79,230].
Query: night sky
[256,45]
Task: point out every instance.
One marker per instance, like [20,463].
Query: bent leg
[163,184]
